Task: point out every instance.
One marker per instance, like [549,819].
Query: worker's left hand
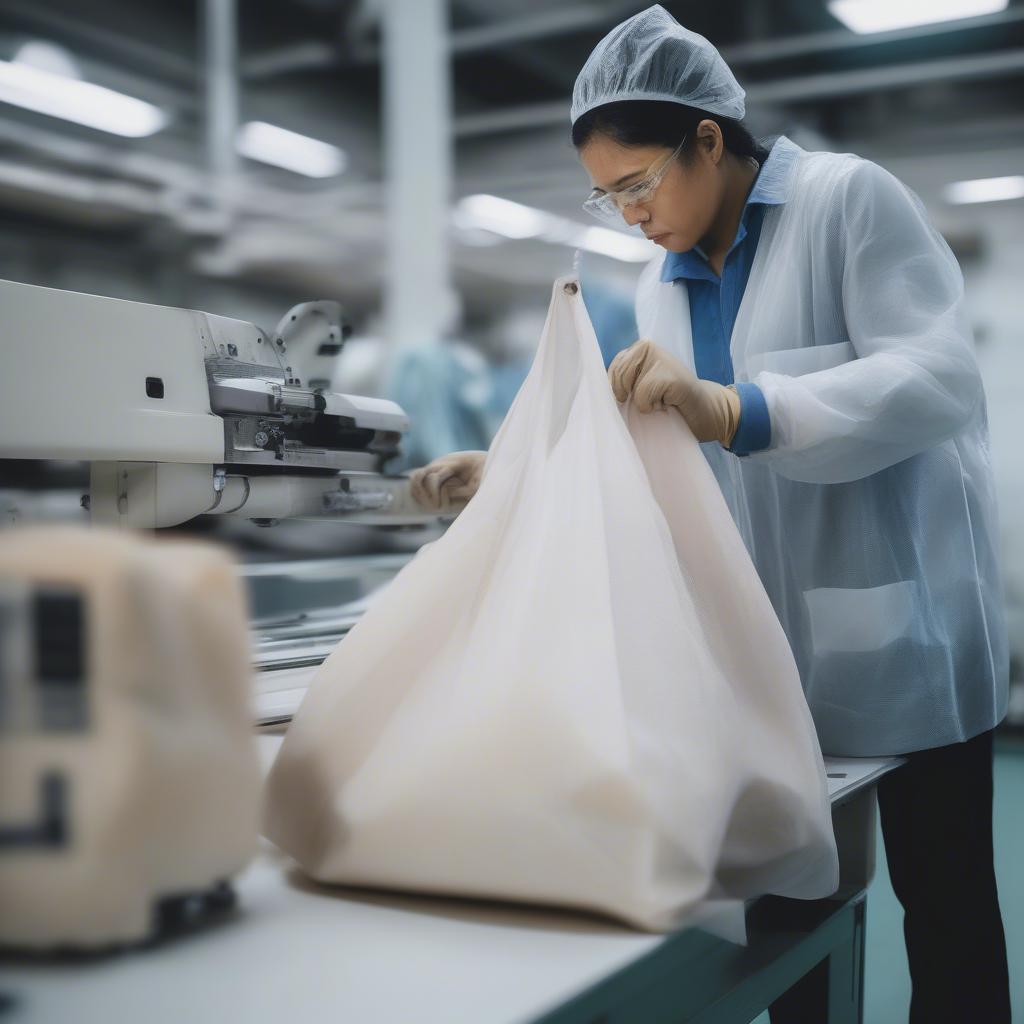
[447,481]
[657,380]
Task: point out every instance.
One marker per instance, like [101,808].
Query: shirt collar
[771,188]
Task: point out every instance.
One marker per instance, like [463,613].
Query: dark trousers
[936,813]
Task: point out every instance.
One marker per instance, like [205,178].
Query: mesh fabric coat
[871,518]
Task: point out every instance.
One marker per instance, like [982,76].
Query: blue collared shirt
[715,301]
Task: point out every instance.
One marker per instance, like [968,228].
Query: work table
[297,951]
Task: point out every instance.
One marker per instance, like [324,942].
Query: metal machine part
[314,333]
[270,419]
[156,494]
[302,610]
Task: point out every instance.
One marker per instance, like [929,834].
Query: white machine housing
[182,413]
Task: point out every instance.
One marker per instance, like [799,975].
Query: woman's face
[684,205]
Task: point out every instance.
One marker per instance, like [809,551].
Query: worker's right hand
[655,379]
[448,480]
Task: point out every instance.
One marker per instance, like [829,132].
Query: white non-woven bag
[579,695]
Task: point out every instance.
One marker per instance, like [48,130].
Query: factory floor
[887,983]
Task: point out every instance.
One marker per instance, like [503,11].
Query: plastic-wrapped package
[129,781]
[579,695]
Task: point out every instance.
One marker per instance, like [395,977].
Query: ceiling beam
[799,89]
[128,49]
[807,44]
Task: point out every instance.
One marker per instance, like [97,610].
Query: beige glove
[448,480]
[655,380]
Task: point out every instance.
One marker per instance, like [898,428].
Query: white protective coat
[578,695]
[871,518]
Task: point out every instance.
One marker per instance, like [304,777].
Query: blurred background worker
[456,393]
[807,321]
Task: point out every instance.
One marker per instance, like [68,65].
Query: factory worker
[807,321]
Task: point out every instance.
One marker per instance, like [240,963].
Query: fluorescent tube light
[47,57]
[985,190]
[71,99]
[616,244]
[514,220]
[501,216]
[280,147]
[866,16]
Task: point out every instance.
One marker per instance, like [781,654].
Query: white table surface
[296,952]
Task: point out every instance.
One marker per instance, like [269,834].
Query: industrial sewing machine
[181,413]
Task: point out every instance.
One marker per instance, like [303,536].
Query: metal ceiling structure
[937,102]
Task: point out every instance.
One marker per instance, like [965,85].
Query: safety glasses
[611,206]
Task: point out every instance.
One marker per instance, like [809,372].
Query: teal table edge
[699,978]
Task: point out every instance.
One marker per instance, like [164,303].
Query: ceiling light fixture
[43,91]
[985,190]
[517,221]
[280,147]
[867,16]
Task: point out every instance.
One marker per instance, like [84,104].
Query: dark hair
[661,123]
